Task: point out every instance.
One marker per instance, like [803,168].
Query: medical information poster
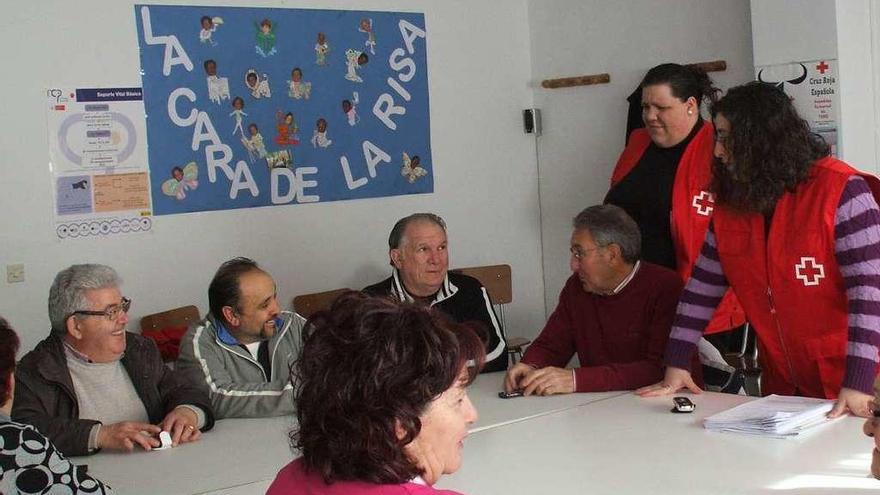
[98,162]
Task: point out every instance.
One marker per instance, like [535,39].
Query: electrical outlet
[15,273]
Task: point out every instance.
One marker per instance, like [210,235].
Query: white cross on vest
[704,203]
[809,271]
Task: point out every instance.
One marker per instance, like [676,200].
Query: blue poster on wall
[264,106]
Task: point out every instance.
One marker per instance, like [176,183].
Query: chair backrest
[308,304]
[495,278]
[184,316]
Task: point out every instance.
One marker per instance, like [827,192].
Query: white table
[579,443]
[236,452]
[628,444]
[494,411]
[241,456]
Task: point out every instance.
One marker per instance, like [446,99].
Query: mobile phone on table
[510,395]
[683,405]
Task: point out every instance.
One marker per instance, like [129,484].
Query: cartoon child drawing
[218,87]
[411,169]
[321,49]
[255,146]
[266,38]
[209,25]
[349,108]
[366,26]
[298,88]
[319,137]
[182,180]
[259,86]
[238,113]
[279,159]
[287,129]
[353,60]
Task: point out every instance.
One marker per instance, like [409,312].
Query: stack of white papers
[774,416]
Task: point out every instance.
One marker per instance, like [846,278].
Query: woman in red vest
[661,179]
[796,235]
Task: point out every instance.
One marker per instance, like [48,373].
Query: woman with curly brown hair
[796,234]
[381,399]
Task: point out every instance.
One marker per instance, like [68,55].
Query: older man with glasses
[91,385]
[615,312]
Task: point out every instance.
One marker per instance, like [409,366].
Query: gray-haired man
[418,251]
[615,312]
[92,385]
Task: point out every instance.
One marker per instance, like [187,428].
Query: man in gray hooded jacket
[241,352]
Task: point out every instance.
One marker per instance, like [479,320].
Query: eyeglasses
[580,254]
[111,313]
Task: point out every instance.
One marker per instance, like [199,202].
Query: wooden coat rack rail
[713,66]
[568,82]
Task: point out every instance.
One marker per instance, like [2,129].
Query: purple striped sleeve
[702,294]
[857,232]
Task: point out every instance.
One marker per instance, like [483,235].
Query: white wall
[857,52]
[786,31]
[584,126]
[485,172]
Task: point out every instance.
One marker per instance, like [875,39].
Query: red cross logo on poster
[704,203]
[822,67]
[809,271]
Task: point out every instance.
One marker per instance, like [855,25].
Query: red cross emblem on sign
[822,67]
[704,203]
[809,271]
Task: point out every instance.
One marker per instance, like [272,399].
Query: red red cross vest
[692,207]
[791,287]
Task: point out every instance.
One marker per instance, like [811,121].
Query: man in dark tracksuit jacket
[418,251]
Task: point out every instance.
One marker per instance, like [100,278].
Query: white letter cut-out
[410,33]
[390,109]
[373,155]
[349,180]
[172,107]
[172,46]
[243,180]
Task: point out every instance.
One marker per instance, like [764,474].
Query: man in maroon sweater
[615,312]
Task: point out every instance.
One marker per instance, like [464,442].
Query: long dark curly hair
[771,148]
[368,368]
